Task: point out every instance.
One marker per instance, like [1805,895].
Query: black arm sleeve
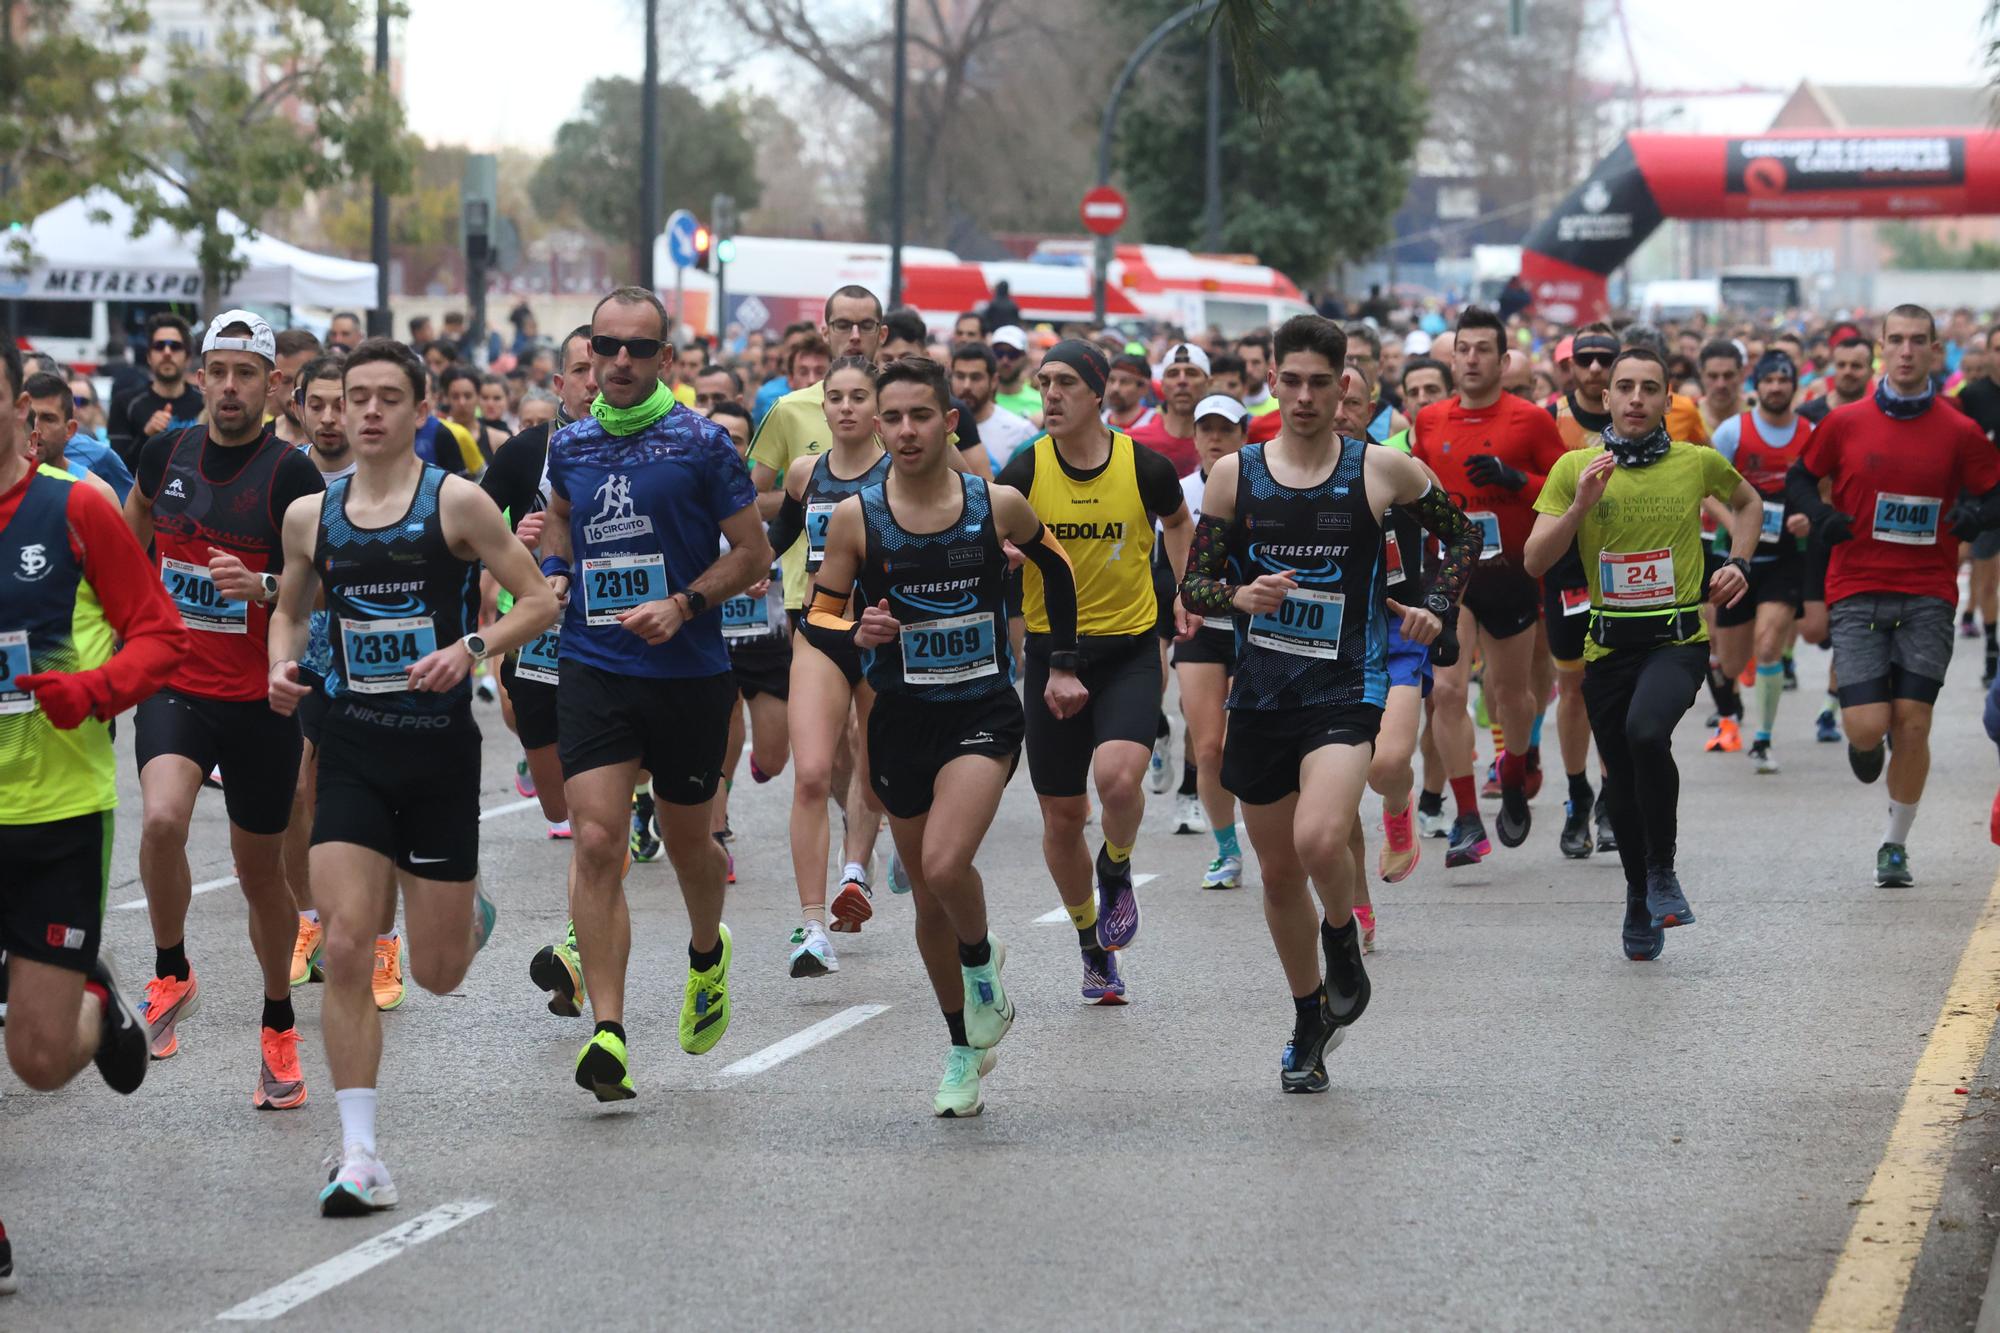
[1802,494]
[295,477]
[1058,586]
[1458,539]
[515,474]
[1019,472]
[787,525]
[1159,487]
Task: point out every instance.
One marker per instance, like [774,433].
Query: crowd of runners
[889,560]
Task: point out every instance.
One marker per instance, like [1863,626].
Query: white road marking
[209,886]
[289,1295]
[1062,913]
[800,1042]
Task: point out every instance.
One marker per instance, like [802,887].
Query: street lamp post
[380,324]
[896,183]
[649,149]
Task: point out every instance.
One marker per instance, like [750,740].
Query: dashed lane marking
[800,1042]
[343,1267]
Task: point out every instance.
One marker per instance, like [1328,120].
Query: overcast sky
[494,73]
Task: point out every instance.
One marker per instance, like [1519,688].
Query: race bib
[614,583]
[1392,559]
[746,617]
[949,650]
[539,657]
[1908,520]
[14,663]
[200,602]
[1575,601]
[380,653]
[818,514]
[1489,532]
[1774,523]
[1636,580]
[1306,624]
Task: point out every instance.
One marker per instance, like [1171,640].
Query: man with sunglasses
[1012,369]
[169,401]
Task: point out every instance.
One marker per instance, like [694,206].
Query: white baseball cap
[1009,335]
[1416,343]
[1221,405]
[261,340]
[1180,352]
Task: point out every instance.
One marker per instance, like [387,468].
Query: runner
[1255,349]
[641,496]
[1306,701]
[826,686]
[210,500]
[1427,381]
[945,734]
[1204,661]
[395,548]
[1099,493]
[1016,391]
[1851,381]
[1628,507]
[51,422]
[1980,400]
[1899,472]
[1002,432]
[1125,391]
[1490,450]
[1763,443]
[1183,381]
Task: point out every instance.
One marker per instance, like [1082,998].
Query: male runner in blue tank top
[1291,539]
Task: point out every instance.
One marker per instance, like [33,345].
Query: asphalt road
[1526,1131]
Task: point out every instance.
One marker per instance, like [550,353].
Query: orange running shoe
[851,907]
[1748,677]
[168,1000]
[1728,737]
[1400,852]
[305,952]
[281,1084]
[388,981]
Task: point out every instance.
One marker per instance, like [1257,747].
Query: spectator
[1515,298]
[440,354]
[169,400]
[1001,312]
[343,332]
[422,335]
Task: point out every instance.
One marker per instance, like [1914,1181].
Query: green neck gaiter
[632,420]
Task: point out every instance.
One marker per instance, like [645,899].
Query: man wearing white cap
[211,500]
[1017,392]
[1183,379]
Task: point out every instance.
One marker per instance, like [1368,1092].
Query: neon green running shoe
[958,1092]
[988,1011]
[705,1007]
[601,1069]
[558,969]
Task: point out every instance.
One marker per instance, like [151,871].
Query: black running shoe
[1515,819]
[1665,902]
[1313,1032]
[9,1284]
[122,1055]
[1347,986]
[1314,1081]
[1576,841]
[1992,662]
[1607,841]
[645,829]
[1867,764]
[1791,674]
[1642,939]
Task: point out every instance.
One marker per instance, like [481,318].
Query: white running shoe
[1433,826]
[814,955]
[357,1185]
[1224,872]
[1189,817]
[1159,769]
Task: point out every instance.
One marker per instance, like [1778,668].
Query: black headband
[1086,359]
[1594,342]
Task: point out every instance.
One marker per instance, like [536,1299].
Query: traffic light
[725,250]
[704,245]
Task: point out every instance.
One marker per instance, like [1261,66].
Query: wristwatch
[696,602]
[269,583]
[1740,563]
[1437,604]
[1066,659]
[475,644]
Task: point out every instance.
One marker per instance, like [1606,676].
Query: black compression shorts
[257,750]
[677,728]
[411,796]
[57,874]
[1123,677]
[911,740]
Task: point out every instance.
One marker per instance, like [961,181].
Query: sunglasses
[169,345]
[1598,359]
[604,345]
[1004,353]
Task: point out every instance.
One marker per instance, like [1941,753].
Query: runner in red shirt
[211,500]
[1909,481]
[1183,383]
[1491,451]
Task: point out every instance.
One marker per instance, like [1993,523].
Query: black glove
[1974,515]
[1836,527]
[1488,470]
[1444,648]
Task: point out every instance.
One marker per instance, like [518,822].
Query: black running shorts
[53,908]
[763,666]
[412,796]
[1123,677]
[1502,599]
[911,740]
[675,727]
[1566,621]
[534,705]
[1779,580]
[257,750]
[1264,747]
[1208,646]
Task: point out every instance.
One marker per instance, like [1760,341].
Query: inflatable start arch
[1648,178]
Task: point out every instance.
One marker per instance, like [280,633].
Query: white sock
[855,870]
[1901,816]
[309,915]
[357,1118]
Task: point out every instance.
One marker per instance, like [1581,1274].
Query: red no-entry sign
[1103,210]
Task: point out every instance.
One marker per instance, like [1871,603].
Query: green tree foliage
[61,109]
[1318,179]
[593,171]
[1922,247]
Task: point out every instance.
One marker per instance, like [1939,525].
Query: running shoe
[560,832]
[1728,737]
[558,969]
[359,1185]
[1159,769]
[1433,823]
[1468,841]
[988,1011]
[1791,674]
[1224,872]
[1827,727]
[524,781]
[1489,789]
[814,955]
[484,916]
[1867,764]
[1313,1033]
[1607,840]
[1576,841]
[1760,755]
[1992,830]
[487,691]
[899,878]
[281,1084]
[306,952]
[645,830]
[1665,902]
[1189,817]
[1400,852]
[1992,665]
[9,1284]
[705,1004]
[1347,988]
[1892,866]
[214,779]
[1514,819]
[167,1002]
[388,979]
[1534,757]
[958,1091]
[1966,628]
[121,1037]
[758,775]
[1643,941]
[1747,678]
[1365,916]
[1101,982]
[1117,904]
[851,907]
[728,859]
[602,1068]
